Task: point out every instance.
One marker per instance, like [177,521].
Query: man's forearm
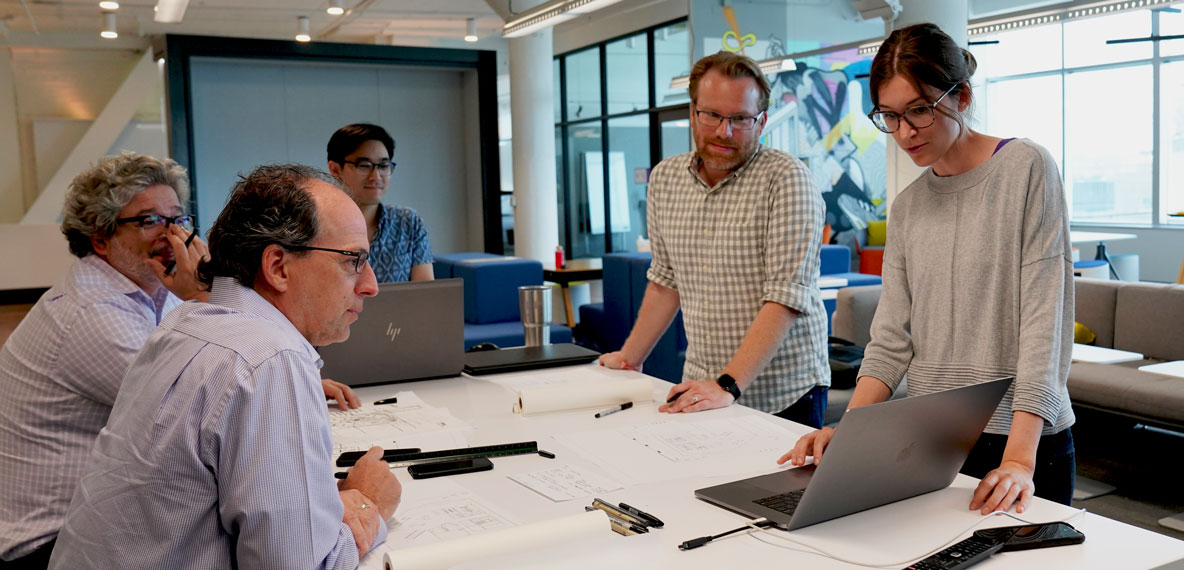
[761,342]
[658,308]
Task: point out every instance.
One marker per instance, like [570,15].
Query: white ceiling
[401,22]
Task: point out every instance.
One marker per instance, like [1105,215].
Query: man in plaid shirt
[735,230]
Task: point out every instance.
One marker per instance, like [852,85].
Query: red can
[560,262]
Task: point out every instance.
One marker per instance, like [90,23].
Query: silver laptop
[409,331]
[880,454]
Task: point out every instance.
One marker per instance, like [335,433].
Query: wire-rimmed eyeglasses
[364,166]
[737,122]
[917,116]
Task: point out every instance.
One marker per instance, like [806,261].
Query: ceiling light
[109,5]
[550,13]
[302,29]
[109,30]
[170,11]
[335,8]
[471,36]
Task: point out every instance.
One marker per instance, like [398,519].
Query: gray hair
[98,194]
[271,205]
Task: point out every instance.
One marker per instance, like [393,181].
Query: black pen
[673,398]
[168,270]
[387,401]
[651,520]
[614,409]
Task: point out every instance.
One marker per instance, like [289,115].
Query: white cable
[821,552]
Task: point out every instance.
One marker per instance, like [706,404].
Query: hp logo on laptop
[392,331]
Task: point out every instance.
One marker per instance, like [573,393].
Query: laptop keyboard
[784,503]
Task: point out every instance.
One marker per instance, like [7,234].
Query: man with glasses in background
[360,157]
[125,220]
[735,230]
[218,452]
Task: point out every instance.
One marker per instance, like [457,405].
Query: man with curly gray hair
[125,220]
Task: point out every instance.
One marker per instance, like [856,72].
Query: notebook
[527,358]
[410,331]
[880,454]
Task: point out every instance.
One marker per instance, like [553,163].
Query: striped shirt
[754,237]
[59,373]
[400,243]
[217,453]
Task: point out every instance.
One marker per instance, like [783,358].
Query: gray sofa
[1147,318]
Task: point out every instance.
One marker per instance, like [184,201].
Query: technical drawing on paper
[444,518]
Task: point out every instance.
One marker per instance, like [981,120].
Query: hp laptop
[880,454]
[409,331]
[527,358]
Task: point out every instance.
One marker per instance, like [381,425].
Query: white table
[886,534]
[830,286]
[1101,238]
[1174,368]
[1102,355]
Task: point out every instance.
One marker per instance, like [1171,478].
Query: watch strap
[729,384]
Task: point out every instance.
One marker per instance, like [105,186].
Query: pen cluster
[626,520]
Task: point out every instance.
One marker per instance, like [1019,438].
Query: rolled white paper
[583,396]
[449,553]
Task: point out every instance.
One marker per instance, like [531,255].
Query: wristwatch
[728,383]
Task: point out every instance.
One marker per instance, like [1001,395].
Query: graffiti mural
[817,114]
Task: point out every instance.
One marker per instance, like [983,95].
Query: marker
[614,409]
[387,401]
[615,512]
[168,270]
[621,526]
[547,454]
[650,520]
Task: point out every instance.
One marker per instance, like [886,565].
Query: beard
[134,266]
[728,161]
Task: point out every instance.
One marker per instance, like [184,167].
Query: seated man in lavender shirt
[217,453]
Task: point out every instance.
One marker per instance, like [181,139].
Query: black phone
[450,467]
[1033,536]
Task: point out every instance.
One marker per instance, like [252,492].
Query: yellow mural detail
[733,41]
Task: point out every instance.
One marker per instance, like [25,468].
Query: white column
[12,203]
[536,221]
[952,17]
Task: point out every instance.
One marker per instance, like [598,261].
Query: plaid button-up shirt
[754,237]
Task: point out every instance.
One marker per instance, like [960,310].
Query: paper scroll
[583,396]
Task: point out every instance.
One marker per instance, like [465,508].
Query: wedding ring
[365,506]
[694,399]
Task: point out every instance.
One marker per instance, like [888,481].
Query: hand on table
[1009,484]
[696,396]
[361,516]
[616,361]
[345,396]
[372,476]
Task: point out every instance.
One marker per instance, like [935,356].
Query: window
[612,129]
[1096,111]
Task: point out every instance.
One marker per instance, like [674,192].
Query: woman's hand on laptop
[809,445]
[345,396]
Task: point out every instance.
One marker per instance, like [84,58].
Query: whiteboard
[618,191]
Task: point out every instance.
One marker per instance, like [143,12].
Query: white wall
[252,112]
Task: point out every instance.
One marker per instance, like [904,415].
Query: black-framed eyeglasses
[360,257]
[918,116]
[364,166]
[154,221]
[737,122]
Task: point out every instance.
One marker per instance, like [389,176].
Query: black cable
[697,542]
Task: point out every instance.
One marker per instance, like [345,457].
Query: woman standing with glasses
[978,280]
[360,157]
